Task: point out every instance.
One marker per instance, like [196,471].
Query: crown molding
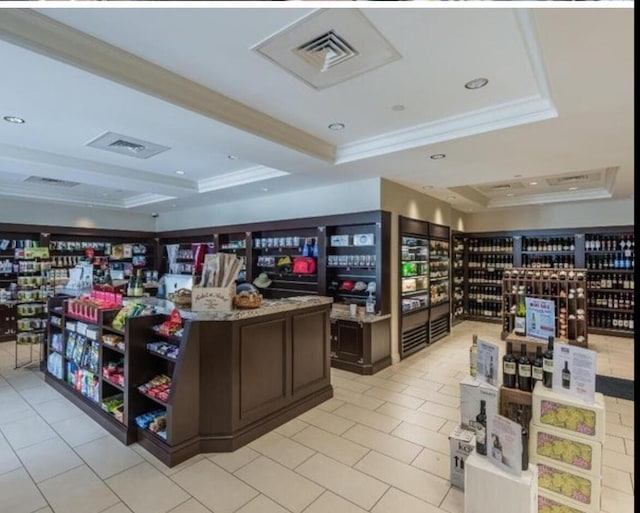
[27,192]
[41,34]
[244,176]
[551,197]
[140,200]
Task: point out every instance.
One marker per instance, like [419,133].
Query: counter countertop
[268,307]
[364,318]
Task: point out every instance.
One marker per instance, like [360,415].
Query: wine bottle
[520,322]
[473,357]
[566,376]
[138,288]
[536,368]
[524,433]
[489,372]
[481,429]
[509,367]
[130,287]
[524,370]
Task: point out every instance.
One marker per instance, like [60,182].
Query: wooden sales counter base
[238,375]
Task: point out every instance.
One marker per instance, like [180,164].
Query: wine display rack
[568,288]
[458,277]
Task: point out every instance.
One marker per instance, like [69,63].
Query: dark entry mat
[615,387]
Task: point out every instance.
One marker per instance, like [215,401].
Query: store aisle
[380,445]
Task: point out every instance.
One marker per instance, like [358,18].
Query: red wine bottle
[524,370]
[509,367]
[547,365]
[481,429]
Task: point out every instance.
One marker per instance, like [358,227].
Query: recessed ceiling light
[533,183]
[336,126]
[573,188]
[232,157]
[179,172]
[476,83]
[14,119]
[437,156]
[264,189]
[398,108]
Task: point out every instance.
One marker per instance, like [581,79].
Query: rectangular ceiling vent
[501,187]
[50,181]
[125,145]
[573,179]
[326,51]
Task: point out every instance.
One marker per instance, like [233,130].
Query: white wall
[540,217]
[31,212]
[360,196]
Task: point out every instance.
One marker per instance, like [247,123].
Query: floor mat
[615,387]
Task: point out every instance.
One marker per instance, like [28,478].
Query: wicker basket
[247,301]
[181,298]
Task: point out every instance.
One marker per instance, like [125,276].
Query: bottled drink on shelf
[547,364]
[524,370]
[520,322]
[566,376]
[481,429]
[138,288]
[509,365]
[473,357]
[537,373]
[525,438]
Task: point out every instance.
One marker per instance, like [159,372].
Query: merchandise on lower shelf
[84,381]
[56,342]
[113,340]
[115,406]
[154,421]
[164,349]
[159,388]
[114,372]
[55,364]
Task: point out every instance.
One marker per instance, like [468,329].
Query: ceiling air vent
[326,51]
[126,145]
[575,179]
[50,181]
[501,187]
[328,47]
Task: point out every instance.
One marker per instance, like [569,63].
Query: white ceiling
[559,102]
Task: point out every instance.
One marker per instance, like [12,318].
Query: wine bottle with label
[566,376]
[536,368]
[524,370]
[473,357]
[509,365]
[138,288]
[525,438]
[481,429]
[547,365]
[521,311]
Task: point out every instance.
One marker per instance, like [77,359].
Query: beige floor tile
[330,502]
[383,443]
[14,410]
[397,501]
[618,461]
[232,461]
[18,494]
[613,501]
[617,407]
[327,421]
[25,379]
[412,416]
[409,371]
[281,449]
[280,484]
[380,382]
[617,479]
[343,480]
[619,430]
[629,447]
[7,393]
[47,459]
[411,480]
[448,427]
[339,373]
[262,504]
[368,418]
[8,459]
[412,381]
[77,491]
[452,390]
[625,419]
[454,501]
[433,462]
[167,471]
[613,418]
[331,445]
[330,405]
[39,394]
[57,409]
[394,397]
[49,510]
[448,412]
[291,428]
[147,490]
[79,430]
[118,508]
[214,487]
[191,506]
[359,400]
[614,443]
[350,384]
[425,437]
[107,456]
[29,431]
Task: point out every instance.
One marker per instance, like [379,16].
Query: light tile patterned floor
[380,445]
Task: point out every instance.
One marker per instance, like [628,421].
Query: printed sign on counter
[540,318]
[574,372]
[504,444]
[487,363]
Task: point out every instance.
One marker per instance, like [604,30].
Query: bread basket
[181,298]
[245,300]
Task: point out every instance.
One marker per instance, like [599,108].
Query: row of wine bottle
[607,320]
[622,300]
[549,261]
[523,372]
[610,281]
[610,261]
[490,261]
[548,244]
[622,242]
[504,244]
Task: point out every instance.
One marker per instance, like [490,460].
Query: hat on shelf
[359,286]
[371,287]
[347,285]
[285,260]
[262,281]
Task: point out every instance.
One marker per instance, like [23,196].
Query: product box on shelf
[472,391]
[562,450]
[575,489]
[568,414]
[556,505]
[212,299]
[462,442]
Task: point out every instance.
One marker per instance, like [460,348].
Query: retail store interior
[257,260]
